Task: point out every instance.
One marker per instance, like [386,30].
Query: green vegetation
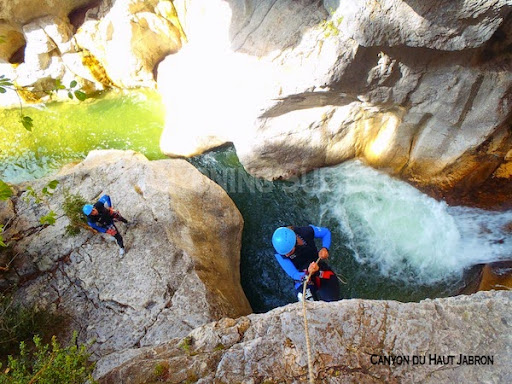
[49,364]
[186,344]
[73,204]
[331,27]
[161,371]
[29,353]
[25,120]
[72,90]
[191,378]
[41,198]
[5,193]
[21,324]
[5,84]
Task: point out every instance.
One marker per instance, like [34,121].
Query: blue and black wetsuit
[104,220]
[325,284]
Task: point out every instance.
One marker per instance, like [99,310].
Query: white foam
[403,232]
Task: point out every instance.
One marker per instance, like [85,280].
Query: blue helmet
[87,209]
[283,240]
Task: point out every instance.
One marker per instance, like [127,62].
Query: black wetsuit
[104,221]
[327,289]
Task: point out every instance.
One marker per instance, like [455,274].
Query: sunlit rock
[50,55]
[22,11]
[352,341]
[496,276]
[99,44]
[421,91]
[505,169]
[181,269]
[11,40]
[129,39]
[47,38]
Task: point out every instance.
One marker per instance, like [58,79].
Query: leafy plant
[5,193]
[2,244]
[48,219]
[5,83]
[161,370]
[73,204]
[73,92]
[49,189]
[186,343]
[19,323]
[31,194]
[40,197]
[27,122]
[5,190]
[331,27]
[49,364]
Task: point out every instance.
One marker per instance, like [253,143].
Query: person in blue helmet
[101,217]
[297,253]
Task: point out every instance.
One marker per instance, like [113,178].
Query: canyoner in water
[101,217]
[297,254]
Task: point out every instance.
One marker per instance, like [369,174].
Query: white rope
[306,330]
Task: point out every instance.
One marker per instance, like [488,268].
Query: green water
[423,253]
[66,132]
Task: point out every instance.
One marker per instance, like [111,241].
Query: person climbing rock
[101,217]
[297,255]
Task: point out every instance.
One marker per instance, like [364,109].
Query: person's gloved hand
[111,231]
[323,253]
[313,268]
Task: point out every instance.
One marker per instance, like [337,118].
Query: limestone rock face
[422,91]
[347,339]
[130,38]
[181,268]
[49,41]
[12,40]
[99,44]
[441,24]
[38,36]
[22,11]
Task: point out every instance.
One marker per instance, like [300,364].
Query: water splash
[406,235]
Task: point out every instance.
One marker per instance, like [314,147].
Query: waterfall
[405,234]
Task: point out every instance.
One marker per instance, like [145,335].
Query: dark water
[389,240]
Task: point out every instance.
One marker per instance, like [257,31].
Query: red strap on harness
[326,274]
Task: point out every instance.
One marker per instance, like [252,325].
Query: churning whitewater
[402,232]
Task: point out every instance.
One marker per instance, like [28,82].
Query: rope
[306,330]
[341,280]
